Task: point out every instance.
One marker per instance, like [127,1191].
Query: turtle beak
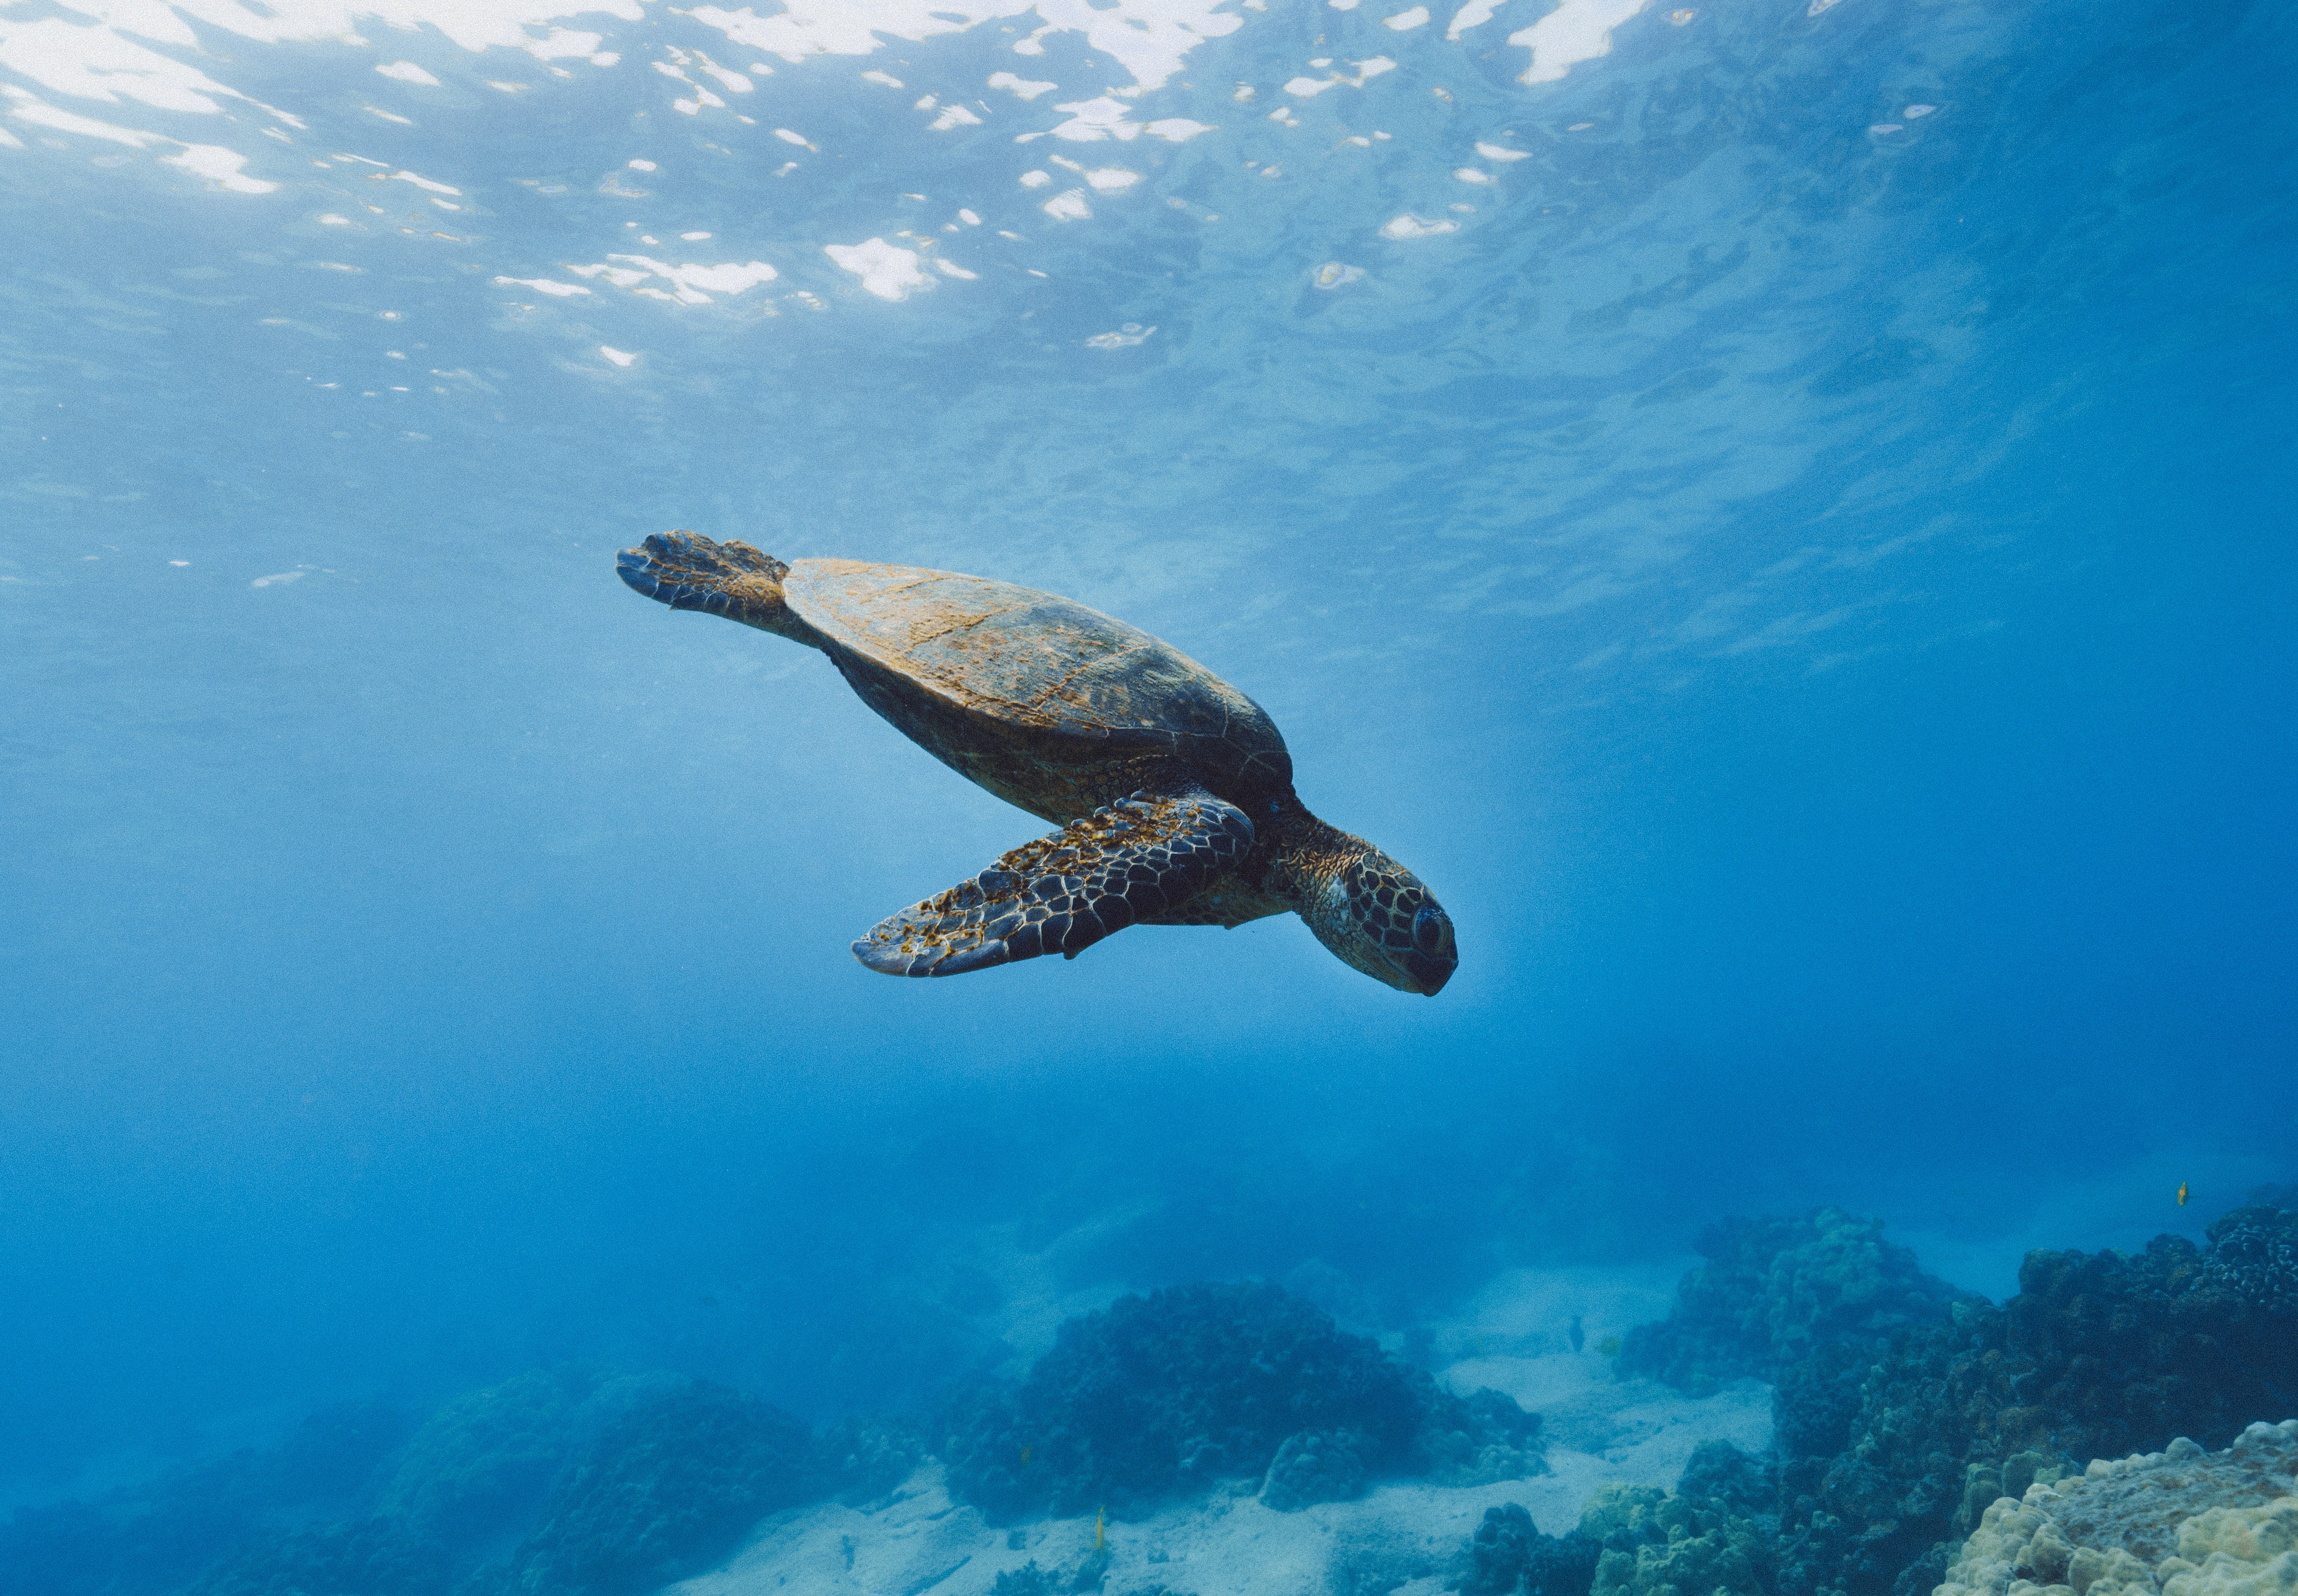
[1433,954]
[1429,975]
[1414,972]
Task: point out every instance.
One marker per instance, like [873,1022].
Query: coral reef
[375,1556]
[2254,1257]
[487,1458]
[2121,1353]
[569,1483]
[1922,1440]
[1479,1439]
[618,1485]
[1674,1543]
[1507,1556]
[476,1472]
[1719,1475]
[2179,1522]
[2099,1355]
[158,1537]
[1816,1399]
[1315,1466]
[1773,1290]
[1157,1396]
[664,1492]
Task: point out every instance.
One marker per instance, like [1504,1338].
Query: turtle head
[1372,913]
[1394,929]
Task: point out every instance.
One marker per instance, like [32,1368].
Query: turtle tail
[686,571]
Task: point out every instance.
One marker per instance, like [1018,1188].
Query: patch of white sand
[1514,1336]
[1222,1545]
[1601,1430]
[1524,1312]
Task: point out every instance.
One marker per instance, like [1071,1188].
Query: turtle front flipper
[1131,861]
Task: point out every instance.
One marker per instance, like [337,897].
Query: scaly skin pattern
[1372,913]
[1173,789]
[1132,861]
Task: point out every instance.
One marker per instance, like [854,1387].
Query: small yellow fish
[1609,1346]
[1100,1521]
[1027,1454]
[2182,1194]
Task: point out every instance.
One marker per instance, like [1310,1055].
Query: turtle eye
[1428,928]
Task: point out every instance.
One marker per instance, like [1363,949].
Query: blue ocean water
[1781,519]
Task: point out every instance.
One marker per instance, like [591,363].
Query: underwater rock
[2179,1522]
[1507,1556]
[664,1492]
[1773,1290]
[1159,1396]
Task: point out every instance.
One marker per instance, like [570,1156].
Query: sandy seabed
[1404,1537]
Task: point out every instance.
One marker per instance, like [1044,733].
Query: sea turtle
[1172,789]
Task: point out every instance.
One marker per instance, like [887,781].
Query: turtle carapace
[1172,791]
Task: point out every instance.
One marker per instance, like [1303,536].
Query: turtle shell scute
[1040,666]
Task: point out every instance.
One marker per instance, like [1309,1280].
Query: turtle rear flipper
[1133,860]
[729,579]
